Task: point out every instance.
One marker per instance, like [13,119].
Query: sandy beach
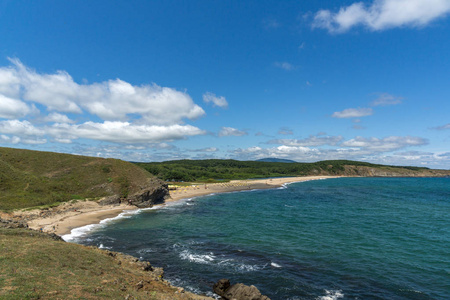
[62,219]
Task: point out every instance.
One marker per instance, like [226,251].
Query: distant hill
[280,160]
[33,178]
[228,169]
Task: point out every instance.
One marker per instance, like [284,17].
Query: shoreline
[72,215]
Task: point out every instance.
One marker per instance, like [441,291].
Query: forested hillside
[203,170]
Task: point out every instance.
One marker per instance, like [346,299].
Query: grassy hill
[33,178]
[35,266]
[203,170]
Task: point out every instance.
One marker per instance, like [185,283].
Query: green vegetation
[203,170]
[34,266]
[34,178]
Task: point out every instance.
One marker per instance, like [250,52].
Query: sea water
[345,238]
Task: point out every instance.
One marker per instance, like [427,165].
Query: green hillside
[201,170]
[34,178]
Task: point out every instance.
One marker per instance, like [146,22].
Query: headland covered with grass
[55,192]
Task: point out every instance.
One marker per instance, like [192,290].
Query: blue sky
[162,80]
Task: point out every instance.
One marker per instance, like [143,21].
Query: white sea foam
[79,231]
[331,295]
[212,259]
[104,247]
[181,202]
[275,265]
[197,258]
[146,250]
[83,230]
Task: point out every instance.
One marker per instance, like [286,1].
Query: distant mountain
[280,160]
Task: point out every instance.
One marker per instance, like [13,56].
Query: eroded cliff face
[392,172]
[152,191]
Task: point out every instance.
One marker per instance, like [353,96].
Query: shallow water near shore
[345,238]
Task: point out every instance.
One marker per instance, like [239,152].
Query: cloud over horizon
[366,149]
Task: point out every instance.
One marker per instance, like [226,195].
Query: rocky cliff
[154,191]
[385,171]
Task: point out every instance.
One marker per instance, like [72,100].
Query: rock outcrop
[157,273]
[237,291]
[13,223]
[154,192]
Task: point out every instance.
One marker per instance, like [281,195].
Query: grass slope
[33,178]
[34,266]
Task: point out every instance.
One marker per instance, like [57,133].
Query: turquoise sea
[346,238]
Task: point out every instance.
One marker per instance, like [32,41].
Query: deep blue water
[346,238]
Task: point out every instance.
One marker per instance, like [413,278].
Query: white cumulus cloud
[386,144]
[109,100]
[229,131]
[215,100]
[382,15]
[9,140]
[119,111]
[57,118]
[125,132]
[311,141]
[12,108]
[20,128]
[353,113]
[386,99]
